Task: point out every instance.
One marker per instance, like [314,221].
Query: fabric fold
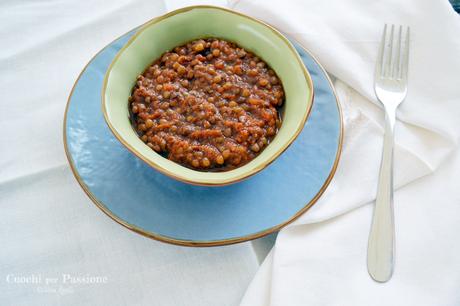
[345,36]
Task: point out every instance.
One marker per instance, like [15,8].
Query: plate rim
[202,243]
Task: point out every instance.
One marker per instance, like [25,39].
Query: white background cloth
[321,258]
[49,227]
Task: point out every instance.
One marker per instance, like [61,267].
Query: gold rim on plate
[173,175]
[192,243]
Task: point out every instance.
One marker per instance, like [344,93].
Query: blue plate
[152,204]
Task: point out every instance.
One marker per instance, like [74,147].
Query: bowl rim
[184,178]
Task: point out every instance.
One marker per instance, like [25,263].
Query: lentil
[208,105]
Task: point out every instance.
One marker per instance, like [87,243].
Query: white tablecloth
[320,259]
[48,227]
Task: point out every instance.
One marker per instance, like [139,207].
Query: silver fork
[390,86]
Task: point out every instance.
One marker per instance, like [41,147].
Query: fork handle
[380,253]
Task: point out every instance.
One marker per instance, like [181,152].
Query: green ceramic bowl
[178,27]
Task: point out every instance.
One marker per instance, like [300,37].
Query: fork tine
[388,60]
[397,65]
[405,61]
[379,65]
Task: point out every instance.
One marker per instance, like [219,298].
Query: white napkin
[324,263]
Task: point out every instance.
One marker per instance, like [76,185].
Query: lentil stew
[208,105]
